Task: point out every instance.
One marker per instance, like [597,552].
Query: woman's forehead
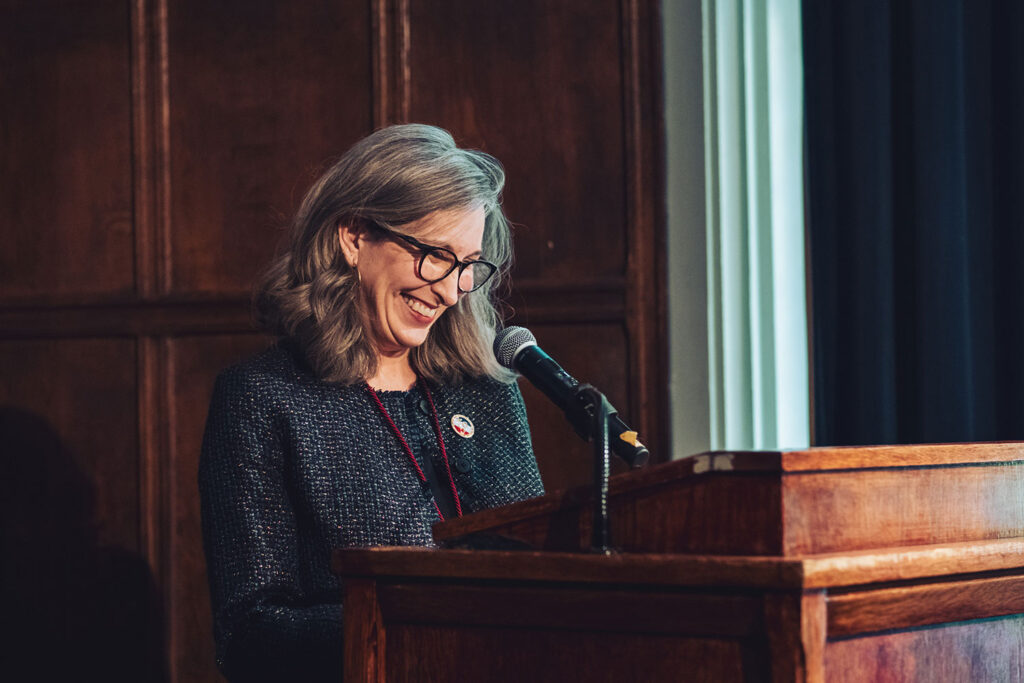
[457,229]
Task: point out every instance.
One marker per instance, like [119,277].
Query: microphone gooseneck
[516,349]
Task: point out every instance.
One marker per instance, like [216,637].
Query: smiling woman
[381,408]
[408,284]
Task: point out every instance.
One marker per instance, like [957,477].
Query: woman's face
[402,306]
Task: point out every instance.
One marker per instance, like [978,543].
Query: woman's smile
[420,308]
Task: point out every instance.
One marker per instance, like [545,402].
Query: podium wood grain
[886,563]
[791,503]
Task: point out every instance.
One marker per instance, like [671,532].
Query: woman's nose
[448,288]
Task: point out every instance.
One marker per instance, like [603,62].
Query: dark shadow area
[72,609]
[915,202]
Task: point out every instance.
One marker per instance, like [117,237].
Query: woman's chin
[412,341]
[405,341]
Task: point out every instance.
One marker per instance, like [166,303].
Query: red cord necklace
[408,450]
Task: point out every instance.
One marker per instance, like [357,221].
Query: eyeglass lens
[437,263]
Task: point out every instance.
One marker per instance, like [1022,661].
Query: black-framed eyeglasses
[437,263]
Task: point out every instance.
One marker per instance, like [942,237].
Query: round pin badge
[463,426]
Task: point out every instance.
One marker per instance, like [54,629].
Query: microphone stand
[596,408]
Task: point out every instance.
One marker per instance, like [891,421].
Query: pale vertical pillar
[739,352]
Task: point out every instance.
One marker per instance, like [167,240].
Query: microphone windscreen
[509,341]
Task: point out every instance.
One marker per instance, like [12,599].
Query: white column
[739,358]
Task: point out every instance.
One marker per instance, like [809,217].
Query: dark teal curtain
[915,219]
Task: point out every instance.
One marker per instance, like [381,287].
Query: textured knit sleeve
[494,465]
[527,462]
[262,630]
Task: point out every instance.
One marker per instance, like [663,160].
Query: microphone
[516,349]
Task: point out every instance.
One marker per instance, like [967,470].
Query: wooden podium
[839,564]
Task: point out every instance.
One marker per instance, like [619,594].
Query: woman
[380,411]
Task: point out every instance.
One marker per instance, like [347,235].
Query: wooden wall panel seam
[657,211]
[644,316]
[632,154]
[142,146]
[404,31]
[549,286]
[162,154]
[392,74]
[154,318]
[599,301]
[153,379]
[164,457]
[379,61]
[150,523]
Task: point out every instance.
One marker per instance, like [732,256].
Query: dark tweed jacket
[292,467]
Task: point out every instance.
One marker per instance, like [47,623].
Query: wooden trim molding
[391,36]
[142,148]
[162,152]
[151,401]
[921,605]
[536,302]
[681,612]
[170,318]
[646,270]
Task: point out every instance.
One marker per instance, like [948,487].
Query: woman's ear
[351,239]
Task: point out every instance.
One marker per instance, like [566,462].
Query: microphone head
[509,342]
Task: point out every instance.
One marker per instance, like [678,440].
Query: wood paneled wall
[153,150]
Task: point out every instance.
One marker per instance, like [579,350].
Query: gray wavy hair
[393,177]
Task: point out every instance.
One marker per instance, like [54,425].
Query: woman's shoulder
[486,392]
[275,370]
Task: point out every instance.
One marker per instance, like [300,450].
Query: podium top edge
[805,572]
[866,457]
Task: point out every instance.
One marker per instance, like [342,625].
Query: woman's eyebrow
[476,254]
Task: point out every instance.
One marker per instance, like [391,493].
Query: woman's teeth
[419,306]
